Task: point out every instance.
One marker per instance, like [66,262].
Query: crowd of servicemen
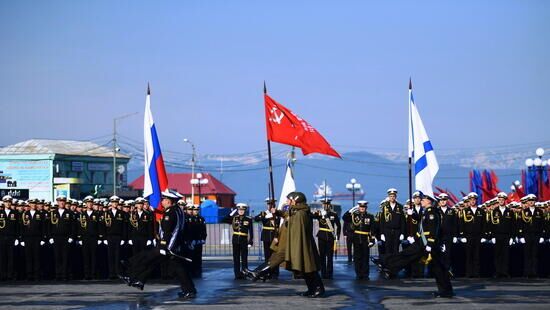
[88,239]
[498,238]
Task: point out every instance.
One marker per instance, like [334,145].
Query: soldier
[449,229]
[9,232]
[531,221]
[270,225]
[88,223]
[200,239]
[115,235]
[472,229]
[61,234]
[33,235]
[348,235]
[327,236]
[243,237]
[141,229]
[392,223]
[413,214]
[501,220]
[362,225]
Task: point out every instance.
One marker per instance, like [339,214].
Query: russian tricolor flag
[155,180]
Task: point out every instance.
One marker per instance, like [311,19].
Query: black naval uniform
[199,236]
[62,227]
[502,223]
[472,227]
[88,223]
[115,226]
[32,232]
[531,223]
[140,230]
[243,235]
[327,236]
[415,269]
[392,225]
[9,232]
[449,230]
[348,233]
[362,227]
[269,232]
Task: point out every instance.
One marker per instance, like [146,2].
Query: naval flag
[421,150]
[288,185]
[155,180]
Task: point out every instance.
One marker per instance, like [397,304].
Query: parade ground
[218,290]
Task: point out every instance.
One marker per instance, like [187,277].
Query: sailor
[392,223]
[362,225]
[243,237]
[327,236]
[270,226]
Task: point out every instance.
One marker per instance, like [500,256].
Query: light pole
[116,148]
[193,154]
[199,181]
[538,164]
[353,186]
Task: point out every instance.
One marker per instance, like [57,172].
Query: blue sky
[481,71]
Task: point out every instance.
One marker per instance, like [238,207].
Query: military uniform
[88,223]
[270,227]
[199,235]
[413,216]
[362,226]
[449,232]
[531,223]
[392,226]
[62,233]
[502,221]
[9,232]
[472,229]
[32,233]
[116,231]
[141,227]
[242,238]
[327,237]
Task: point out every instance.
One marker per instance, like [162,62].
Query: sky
[480,70]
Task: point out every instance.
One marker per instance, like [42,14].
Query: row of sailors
[105,232]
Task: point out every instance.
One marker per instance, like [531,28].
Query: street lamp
[193,155]
[353,186]
[199,181]
[116,149]
[538,164]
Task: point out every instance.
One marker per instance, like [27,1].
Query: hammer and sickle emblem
[277,118]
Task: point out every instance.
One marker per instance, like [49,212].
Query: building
[45,169]
[214,190]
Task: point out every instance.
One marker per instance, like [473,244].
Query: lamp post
[538,164]
[353,186]
[193,155]
[116,148]
[199,181]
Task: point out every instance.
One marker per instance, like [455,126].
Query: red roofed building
[214,190]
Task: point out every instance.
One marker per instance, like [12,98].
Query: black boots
[261,272]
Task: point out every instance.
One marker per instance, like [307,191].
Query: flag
[155,180]
[289,185]
[283,126]
[421,150]
[476,184]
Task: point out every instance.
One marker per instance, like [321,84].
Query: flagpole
[272,192]
[410,155]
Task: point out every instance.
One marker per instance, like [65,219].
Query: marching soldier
[243,237]
[327,236]
[362,225]
[531,234]
[62,234]
[115,225]
[472,229]
[33,235]
[392,223]
[413,217]
[270,224]
[88,223]
[449,229]
[9,232]
[141,229]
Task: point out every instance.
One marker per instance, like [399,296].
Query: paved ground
[218,290]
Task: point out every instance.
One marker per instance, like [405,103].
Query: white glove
[121,242]
[22,243]
[494,241]
[410,212]
[443,249]
[80,242]
[541,240]
[154,242]
[130,242]
[268,215]
[323,213]
[162,252]
[371,244]
[522,240]
[51,240]
[455,239]
[511,241]
[105,242]
[428,248]
[352,210]
[411,240]
[148,243]
[233,212]
[463,240]
[382,237]
[250,245]
[42,243]
[16,243]
[483,240]
[401,237]
[99,242]
[70,240]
